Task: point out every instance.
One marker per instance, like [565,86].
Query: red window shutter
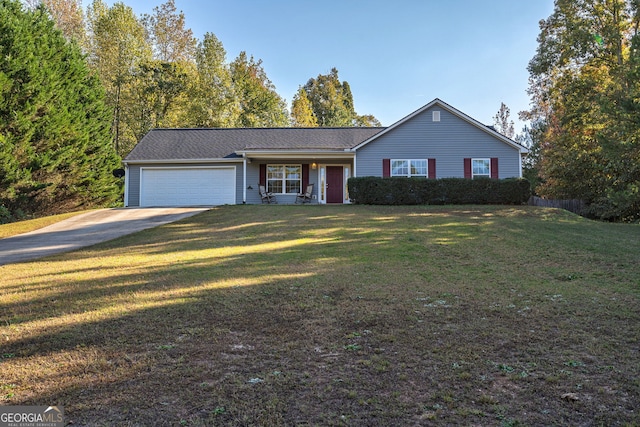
[494,168]
[431,168]
[263,175]
[467,168]
[305,177]
[386,167]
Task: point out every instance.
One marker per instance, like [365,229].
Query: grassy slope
[345,315]
[19,227]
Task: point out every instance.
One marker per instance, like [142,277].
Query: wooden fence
[572,205]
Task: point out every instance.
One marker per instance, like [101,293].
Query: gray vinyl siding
[133,185]
[449,141]
[133,179]
[253,181]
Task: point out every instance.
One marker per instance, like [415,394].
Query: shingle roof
[193,144]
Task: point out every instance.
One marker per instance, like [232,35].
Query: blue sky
[397,56]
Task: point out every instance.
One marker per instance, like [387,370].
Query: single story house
[204,167]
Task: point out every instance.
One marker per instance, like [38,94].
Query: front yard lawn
[334,315]
[19,227]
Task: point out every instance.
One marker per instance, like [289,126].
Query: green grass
[334,315]
[19,227]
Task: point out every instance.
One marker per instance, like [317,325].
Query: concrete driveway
[86,230]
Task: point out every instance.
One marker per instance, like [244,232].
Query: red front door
[335,184]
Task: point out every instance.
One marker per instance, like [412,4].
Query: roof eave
[182,161]
[295,154]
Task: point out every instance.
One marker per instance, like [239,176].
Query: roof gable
[437,102]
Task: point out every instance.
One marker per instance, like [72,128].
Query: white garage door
[187,186]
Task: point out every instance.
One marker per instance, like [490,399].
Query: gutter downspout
[520,162]
[244,179]
[126,185]
[355,164]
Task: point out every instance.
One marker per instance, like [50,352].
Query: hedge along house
[205,167]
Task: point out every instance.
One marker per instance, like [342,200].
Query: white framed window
[436,116]
[480,167]
[284,179]
[409,167]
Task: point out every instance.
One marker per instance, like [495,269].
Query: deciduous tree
[119,46]
[502,121]
[367,120]
[260,104]
[172,41]
[301,111]
[212,100]
[584,86]
[332,102]
[68,16]
[158,95]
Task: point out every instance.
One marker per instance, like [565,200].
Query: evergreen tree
[56,152]
[531,137]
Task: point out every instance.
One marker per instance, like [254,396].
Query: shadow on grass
[198,250]
[354,315]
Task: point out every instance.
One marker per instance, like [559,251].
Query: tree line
[584,85]
[80,88]
[157,74]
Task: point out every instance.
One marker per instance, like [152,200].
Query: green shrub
[5,215]
[419,191]
[619,206]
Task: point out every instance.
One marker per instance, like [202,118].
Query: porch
[285,178]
